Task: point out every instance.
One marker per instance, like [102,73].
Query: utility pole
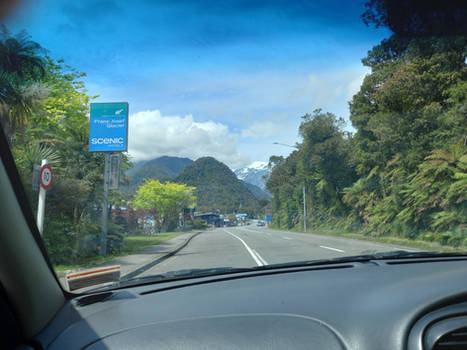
[105,205]
[304,207]
[304,189]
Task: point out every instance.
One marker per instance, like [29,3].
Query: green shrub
[455,241]
[429,237]
[114,243]
[443,238]
[60,241]
[199,224]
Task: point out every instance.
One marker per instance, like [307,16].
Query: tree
[21,69]
[411,104]
[59,131]
[418,17]
[166,201]
[436,196]
[403,171]
[322,163]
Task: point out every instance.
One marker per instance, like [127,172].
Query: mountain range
[163,169]
[255,174]
[218,187]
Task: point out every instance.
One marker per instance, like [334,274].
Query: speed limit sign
[46,177]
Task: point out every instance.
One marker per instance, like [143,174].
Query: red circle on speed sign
[46,177]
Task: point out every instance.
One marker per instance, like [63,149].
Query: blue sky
[220,78]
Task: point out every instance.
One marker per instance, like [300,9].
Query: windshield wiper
[404,254]
[197,273]
[187,273]
[394,254]
[173,276]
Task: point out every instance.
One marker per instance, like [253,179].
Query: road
[247,246]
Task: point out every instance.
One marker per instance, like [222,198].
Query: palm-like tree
[437,193]
[20,55]
[21,69]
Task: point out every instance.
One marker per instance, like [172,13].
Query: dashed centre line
[331,248]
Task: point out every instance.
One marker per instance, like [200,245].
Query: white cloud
[332,89]
[152,135]
[354,86]
[262,130]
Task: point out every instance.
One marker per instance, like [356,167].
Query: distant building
[211,218]
[188,213]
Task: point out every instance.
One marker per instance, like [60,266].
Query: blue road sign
[108,127]
[268,218]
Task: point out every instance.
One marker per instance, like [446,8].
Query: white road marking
[330,248]
[260,258]
[255,258]
[286,238]
[249,230]
[268,233]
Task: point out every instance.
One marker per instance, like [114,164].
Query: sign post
[108,133]
[36,170]
[105,205]
[114,172]
[268,214]
[45,177]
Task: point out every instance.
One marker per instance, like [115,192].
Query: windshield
[184,136]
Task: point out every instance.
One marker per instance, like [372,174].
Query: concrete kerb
[160,259]
[140,269]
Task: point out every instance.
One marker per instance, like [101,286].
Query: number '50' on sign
[46,177]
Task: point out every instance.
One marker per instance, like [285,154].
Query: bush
[455,241]
[60,242]
[114,243]
[429,237]
[199,224]
[443,238]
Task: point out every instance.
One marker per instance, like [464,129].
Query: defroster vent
[447,334]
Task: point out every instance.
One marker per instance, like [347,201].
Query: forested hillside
[257,191]
[217,187]
[404,170]
[163,168]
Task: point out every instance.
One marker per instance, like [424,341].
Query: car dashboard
[394,304]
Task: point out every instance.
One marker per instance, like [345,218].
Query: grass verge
[131,244]
[398,241]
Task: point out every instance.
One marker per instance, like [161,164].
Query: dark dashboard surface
[370,305]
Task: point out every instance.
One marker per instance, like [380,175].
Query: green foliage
[162,169]
[436,196]
[165,201]
[199,224]
[403,172]
[21,70]
[321,164]
[217,187]
[44,111]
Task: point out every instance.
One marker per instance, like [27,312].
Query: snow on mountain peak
[254,173]
[258,165]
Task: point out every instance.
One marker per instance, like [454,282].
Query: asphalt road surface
[247,246]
